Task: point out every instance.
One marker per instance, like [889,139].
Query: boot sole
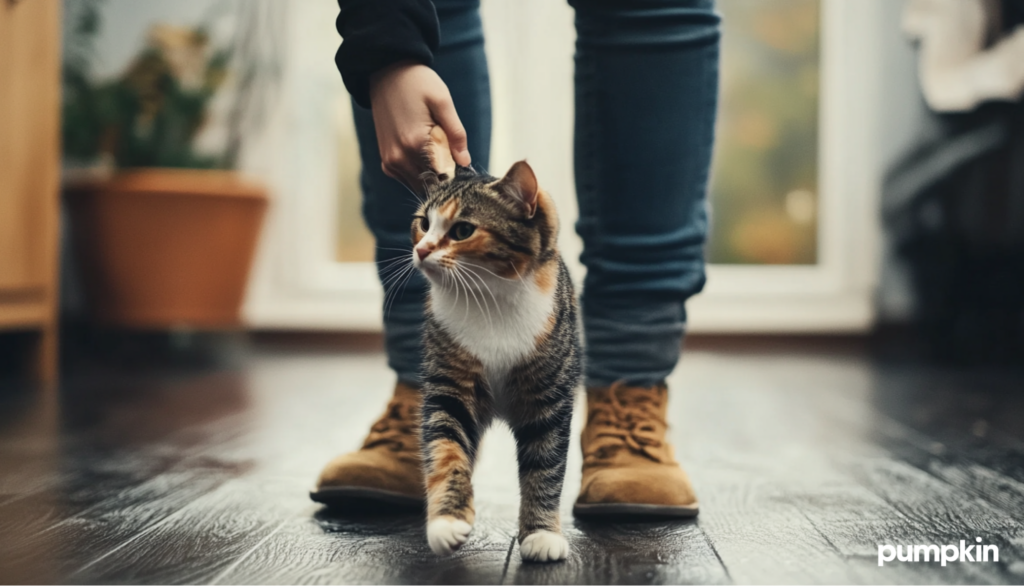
[635,510]
[348,495]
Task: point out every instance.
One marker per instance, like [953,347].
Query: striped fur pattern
[501,340]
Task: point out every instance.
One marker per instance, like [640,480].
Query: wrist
[378,77]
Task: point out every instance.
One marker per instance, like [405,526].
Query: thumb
[447,118]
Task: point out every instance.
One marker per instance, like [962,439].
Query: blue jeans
[646,92]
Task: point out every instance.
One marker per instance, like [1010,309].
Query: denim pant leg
[388,206]
[646,93]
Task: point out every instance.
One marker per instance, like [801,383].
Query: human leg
[387,204]
[646,92]
[388,466]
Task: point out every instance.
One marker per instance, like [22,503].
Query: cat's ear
[431,178]
[438,155]
[520,186]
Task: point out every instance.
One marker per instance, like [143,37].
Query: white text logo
[938,553]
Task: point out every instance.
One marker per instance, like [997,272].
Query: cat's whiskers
[486,269]
[414,194]
[468,291]
[458,270]
[389,261]
[392,266]
[456,281]
[445,278]
[391,290]
[497,306]
[407,250]
[397,289]
[395,271]
[395,281]
[474,278]
[517,271]
[465,314]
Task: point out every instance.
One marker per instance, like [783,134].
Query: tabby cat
[500,340]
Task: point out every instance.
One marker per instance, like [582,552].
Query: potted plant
[164,235]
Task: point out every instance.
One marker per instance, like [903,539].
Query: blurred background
[190,318]
[868,176]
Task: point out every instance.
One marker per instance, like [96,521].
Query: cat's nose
[422,252]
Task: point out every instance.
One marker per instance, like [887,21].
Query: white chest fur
[500,331]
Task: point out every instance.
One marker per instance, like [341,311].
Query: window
[795,180]
[765,176]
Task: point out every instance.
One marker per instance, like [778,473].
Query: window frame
[297,283]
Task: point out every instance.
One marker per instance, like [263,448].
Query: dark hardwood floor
[806,457]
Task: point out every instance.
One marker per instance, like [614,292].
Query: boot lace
[624,420]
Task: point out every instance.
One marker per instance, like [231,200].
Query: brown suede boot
[628,466]
[387,467]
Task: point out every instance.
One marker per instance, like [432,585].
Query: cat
[500,339]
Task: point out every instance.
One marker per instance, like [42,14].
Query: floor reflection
[29,484]
[803,461]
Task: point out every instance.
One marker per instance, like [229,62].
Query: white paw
[447,534]
[544,546]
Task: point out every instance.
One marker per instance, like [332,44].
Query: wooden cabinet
[30,173]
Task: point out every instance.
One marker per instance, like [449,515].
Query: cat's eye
[461,231]
[424,223]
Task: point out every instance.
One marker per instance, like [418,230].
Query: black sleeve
[378,33]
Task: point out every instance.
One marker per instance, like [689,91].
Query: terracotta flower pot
[166,247]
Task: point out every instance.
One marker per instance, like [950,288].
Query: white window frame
[297,283]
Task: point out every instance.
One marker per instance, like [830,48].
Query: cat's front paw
[447,534]
[544,546]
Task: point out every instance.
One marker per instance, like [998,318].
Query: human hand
[409,101]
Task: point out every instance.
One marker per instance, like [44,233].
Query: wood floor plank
[79,540]
[660,552]
[939,513]
[903,495]
[89,479]
[815,448]
[332,548]
[751,439]
[95,459]
[897,499]
[803,463]
[991,471]
[202,539]
[762,539]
